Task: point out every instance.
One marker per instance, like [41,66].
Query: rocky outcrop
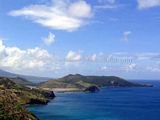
[92,89]
[46,93]
[37,101]
[49,94]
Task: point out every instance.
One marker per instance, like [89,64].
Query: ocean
[108,104]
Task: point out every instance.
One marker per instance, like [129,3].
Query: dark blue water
[108,104]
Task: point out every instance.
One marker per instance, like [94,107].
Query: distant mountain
[5,73]
[22,81]
[22,78]
[82,82]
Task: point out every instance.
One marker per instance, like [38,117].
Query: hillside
[11,109]
[28,78]
[81,82]
[26,94]
[22,81]
[13,96]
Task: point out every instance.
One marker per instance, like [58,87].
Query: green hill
[22,81]
[82,82]
[19,77]
[14,96]
[11,109]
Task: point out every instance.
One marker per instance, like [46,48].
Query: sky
[91,37]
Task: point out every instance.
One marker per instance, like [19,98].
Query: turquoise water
[108,104]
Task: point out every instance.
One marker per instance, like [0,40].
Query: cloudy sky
[91,37]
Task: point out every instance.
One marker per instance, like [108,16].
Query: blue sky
[102,37]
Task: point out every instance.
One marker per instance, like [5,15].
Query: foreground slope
[78,81]
[14,96]
[11,109]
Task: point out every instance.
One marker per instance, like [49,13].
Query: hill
[28,79]
[22,81]
[11,109]
[81,82]
[14,96]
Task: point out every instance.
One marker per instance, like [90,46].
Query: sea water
[108,104]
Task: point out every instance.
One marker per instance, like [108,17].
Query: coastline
[62,90]
[83,106]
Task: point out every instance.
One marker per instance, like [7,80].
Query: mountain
[82,82]
[16,78]
[22,81]
[23,77]
[5,73]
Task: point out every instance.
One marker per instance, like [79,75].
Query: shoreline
[72,90]
[62,90]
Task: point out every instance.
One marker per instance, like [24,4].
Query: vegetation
[11,109]
[83,82]
[14,96]
[21,81]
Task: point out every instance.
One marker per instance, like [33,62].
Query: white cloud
[148,56]
[59,15]
[107,1]
[18,59]
[131,67]
[153,69]
[126,35]
[80,9]
[73,56]
[142,4]
[94,57]
[104,68]
[41,61]
[107,4]
[50,39]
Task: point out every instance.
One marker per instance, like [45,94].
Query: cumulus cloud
[18,59]
[104,68]
[73,56]
[40,60]
[126,35]
[130,67]
[142,4]
[50,39]
[94,57]
[80,9]
[59,15]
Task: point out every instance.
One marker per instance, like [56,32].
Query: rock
[46,93]
[49,94]
[92,89]
[38,101]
